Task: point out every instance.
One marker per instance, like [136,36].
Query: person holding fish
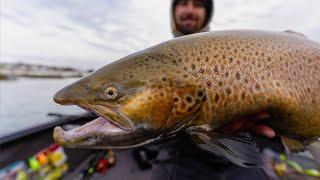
[204,90]
[189,17]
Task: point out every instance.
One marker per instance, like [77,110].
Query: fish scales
[198,80]
[250,72]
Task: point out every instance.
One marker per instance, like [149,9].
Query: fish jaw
[86,135]
[101,133]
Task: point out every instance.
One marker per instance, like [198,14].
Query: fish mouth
[91,133]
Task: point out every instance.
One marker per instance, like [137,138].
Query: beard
[189,24]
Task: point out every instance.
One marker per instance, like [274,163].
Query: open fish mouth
[89,133]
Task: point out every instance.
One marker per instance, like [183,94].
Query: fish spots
[238,76]
[209,84]
[189,99]
[269,59]
[228,91]
[231,59]
[257,87]
[200,94]
[216,69]
[243,95]
[193,66]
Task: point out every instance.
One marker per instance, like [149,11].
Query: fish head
[140,99]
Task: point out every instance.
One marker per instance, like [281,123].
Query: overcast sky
[92,33]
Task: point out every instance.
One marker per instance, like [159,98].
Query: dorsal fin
[295,33]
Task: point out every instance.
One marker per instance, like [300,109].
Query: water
[25,103]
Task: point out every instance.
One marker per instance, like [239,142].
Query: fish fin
[314,149]
[238,149]
[299,34]
[292,145]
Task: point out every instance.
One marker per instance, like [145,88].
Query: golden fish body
[199,83]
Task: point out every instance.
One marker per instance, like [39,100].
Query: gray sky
[89,34]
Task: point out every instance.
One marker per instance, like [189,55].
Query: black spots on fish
[223,56]
[227,73]
[246,80]
[308,90]
[309,61]
[220,83]
[161,94]
[286,64]
[278,84]
[189,109]
[180,59]
[193,66]
[257,87]
[228,91]
[131,76]
[216,69]
[269,59]
[200,94]
[185,76]
[174,62]
[164,78]
[198,59]
[257,53]
[238,76]
[243,95]
[189,99]
[231,59]
[207,59]
[201,70]
[175,99]
[209,84]
[238,62]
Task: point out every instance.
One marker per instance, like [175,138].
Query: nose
[190,6]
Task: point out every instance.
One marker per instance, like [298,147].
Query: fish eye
[110,93]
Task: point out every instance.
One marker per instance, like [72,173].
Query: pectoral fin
[240,150]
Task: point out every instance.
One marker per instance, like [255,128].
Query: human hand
[250,124]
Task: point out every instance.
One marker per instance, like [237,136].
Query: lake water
[25,102]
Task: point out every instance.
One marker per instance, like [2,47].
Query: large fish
[197,84]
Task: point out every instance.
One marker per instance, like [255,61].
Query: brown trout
[197,84]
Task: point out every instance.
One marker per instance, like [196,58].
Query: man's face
[189,16]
